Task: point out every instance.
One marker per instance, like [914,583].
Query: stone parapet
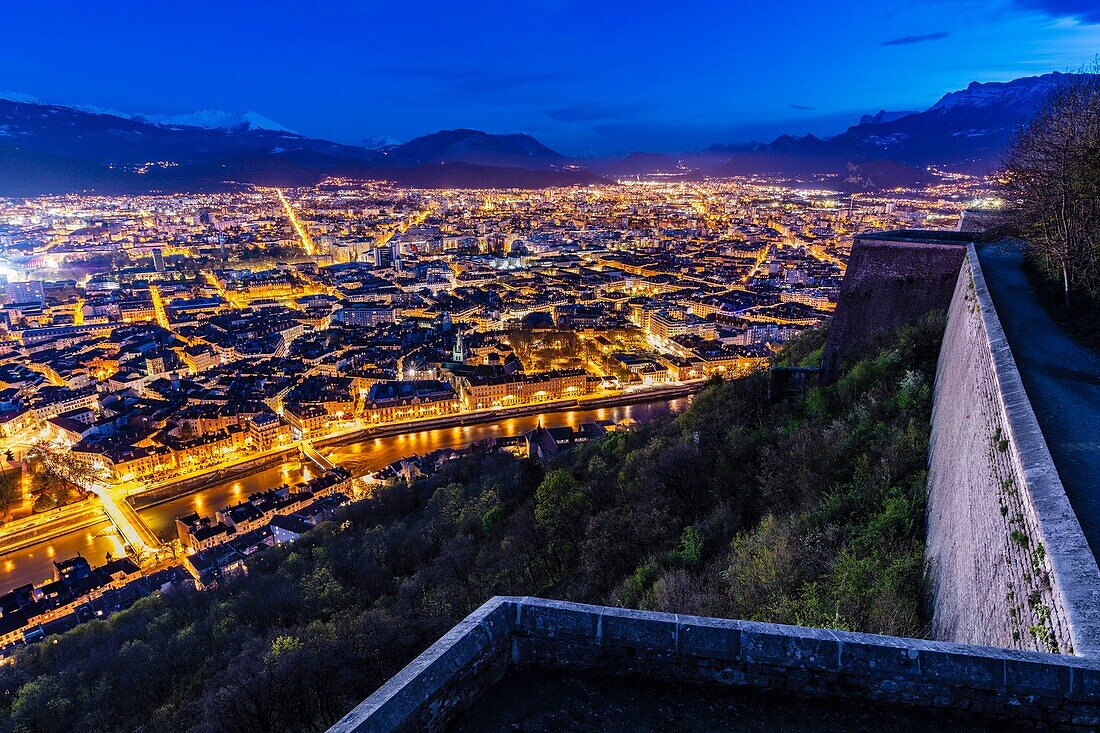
[1049,690]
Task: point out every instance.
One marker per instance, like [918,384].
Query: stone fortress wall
[1008,563]
[892,279]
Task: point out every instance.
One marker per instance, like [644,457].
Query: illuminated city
[171,344]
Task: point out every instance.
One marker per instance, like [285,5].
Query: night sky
[581,75]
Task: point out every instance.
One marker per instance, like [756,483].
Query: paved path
[1062,379]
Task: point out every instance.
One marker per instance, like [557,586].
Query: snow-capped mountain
[94,110]
[52,148]
[207,119]
[47,148]
[10,96]
[212,119]
[378,142]
[1026,92]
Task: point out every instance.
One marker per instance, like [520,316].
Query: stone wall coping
[611,625]
[919,236]
[1074,567]
[864,661]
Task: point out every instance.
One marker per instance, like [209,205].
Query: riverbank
[361,453]
[483,416]
[168,491]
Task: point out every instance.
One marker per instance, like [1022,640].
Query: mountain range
[965,130]
[48,148]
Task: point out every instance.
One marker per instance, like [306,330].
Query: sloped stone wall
[1008,563]
[893,278]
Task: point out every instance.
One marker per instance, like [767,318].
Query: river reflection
[161,517]
[35,564]
[373,454]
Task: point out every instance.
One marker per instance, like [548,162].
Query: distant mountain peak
[207,119]
[66,149]
[467,136]
[1028,90]
[966,130]
[883,116]
[464,145]
[378,142]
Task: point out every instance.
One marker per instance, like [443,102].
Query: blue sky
[581,75]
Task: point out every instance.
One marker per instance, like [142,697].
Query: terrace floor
[546,701]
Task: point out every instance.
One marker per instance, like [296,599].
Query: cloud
[802,107]
[1086,11]
[908,40]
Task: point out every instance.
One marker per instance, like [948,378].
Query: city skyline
[584,80]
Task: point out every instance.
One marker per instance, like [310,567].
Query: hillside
[805,512]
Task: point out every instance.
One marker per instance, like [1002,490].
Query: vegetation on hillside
[808,511]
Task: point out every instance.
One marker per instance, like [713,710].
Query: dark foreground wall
[893,279]
[1051,691]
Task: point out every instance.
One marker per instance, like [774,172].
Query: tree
[10,490]
[1053,183]
[55,474]
[41,706]
[559,509]
[672,515]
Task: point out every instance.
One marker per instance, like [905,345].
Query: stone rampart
[893,279]
[1009,565]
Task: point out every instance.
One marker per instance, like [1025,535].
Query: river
[372,454]
[35,564]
